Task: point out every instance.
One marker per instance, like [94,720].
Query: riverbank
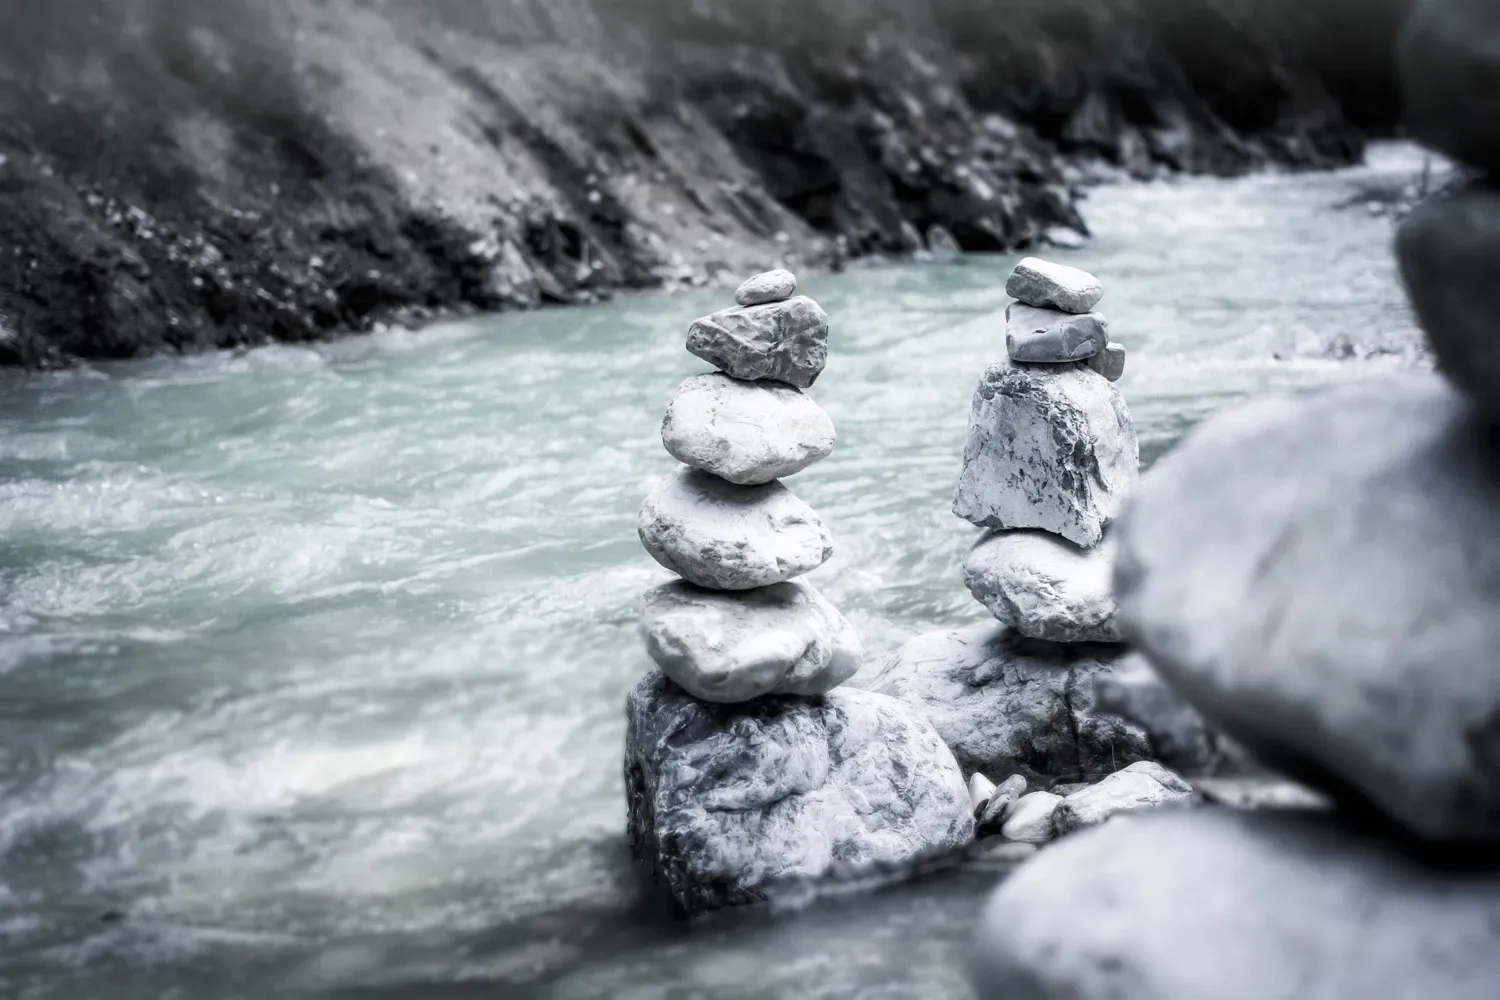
[175,176]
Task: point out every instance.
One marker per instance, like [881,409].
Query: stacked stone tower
[745,769]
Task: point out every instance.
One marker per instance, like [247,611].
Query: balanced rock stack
[1051,457]
[1321,579]
[745,769]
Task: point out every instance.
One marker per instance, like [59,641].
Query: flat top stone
[768,286]
[1048,285]
[1232,905]
[780,341]
[734,646]
[746,432]
[727,537]
[1319,578]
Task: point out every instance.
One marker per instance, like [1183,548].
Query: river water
[312,660]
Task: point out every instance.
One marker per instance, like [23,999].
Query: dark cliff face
[176,174]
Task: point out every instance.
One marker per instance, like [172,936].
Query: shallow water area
[312,659]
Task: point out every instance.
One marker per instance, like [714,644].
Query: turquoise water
[312,659]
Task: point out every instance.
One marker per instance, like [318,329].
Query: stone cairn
[1320,578]
[1043,696]
[745,769]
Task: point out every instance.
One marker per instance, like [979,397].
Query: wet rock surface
[727,803]
[1236,905]
[1317,577]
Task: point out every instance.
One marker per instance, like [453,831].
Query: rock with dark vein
[1050,447]
[729,804]
[1320,578]
[779,341]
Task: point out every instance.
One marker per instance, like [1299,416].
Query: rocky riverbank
[177,175]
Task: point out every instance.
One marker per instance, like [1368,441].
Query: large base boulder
[1233,905]
[729,802]
[1321,579]
[1011,705]
[1050,447]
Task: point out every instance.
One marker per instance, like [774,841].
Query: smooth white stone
[746,432]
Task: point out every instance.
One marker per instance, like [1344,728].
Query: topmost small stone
[1045,285]
[771,286]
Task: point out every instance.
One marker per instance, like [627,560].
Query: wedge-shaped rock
[768,286]
[1046,336]
[1049,447]
[1045,285]
[1321,579]
[733,646]
[1045,587]
[1193,904]
[746,432]
[1143,785]
[729,803]
[1011,705]
[1109,362]
[1449,250]
[781,341]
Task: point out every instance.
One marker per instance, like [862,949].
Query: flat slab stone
[746,432]
[1319,578]
[1190,904]
[1109,362]
[768,286]
[1045,587]
[781,341]
[1449,61]
[1449,252]
[734,646]
[1046,285]
[1050,447]
[1143,785]
[1047,336]
[1010,705]
[729,803]
[729,537]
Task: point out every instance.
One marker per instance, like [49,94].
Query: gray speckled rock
[727,803]
[1449,58]
[1109,362]
[1179,736]
[768,286]
[1321,578]
[1449,251]
[746,432]
[781,341]
[1191,904]
[1143,785]
[1049,447]
[1045,285]
[1030,819]
[729,537]
[1045,587]
[1046,336]
[1011,705]
[732,646]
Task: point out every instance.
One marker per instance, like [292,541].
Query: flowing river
[312,659]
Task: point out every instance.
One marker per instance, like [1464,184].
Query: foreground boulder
[1187,905]
[1143,785]
[1449,252]
[781,341]
[729,802]
[746,432]
[732,646]
[1010,705]
[1050,447]
[1044,587]
[1321,578]
[729,537]
[1449,58]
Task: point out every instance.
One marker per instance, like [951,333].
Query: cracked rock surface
[781,341]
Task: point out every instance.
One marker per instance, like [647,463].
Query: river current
[312,659]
